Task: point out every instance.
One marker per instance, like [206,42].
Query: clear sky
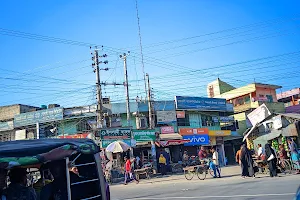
[186,44]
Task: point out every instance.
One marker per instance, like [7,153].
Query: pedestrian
[294,154]
[271,160]
[246,162]
[127,172]
[163,164]
[202,154]
[238,156]
[260,152]
[214,165]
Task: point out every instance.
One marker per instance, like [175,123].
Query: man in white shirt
[260,151]
[214,165]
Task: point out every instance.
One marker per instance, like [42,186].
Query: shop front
[145,140]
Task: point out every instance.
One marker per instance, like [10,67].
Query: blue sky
[187,44]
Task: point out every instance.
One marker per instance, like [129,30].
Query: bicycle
[199,170]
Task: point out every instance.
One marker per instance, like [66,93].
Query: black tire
[201,173]
[286,166]
[188,174]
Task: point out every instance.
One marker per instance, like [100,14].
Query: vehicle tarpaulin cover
[30,152]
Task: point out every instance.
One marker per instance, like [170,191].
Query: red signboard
[180,114]
[192,131]
[167,129]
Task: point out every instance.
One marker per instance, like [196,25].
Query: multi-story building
[291,100]
[7,114]
[247,98]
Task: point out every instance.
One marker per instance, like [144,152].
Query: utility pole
[151,124]
[124,57]
[95,65]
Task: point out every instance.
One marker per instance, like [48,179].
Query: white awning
[250,131]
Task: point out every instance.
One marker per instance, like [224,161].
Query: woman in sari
[246,162]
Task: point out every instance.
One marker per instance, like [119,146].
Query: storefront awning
[170,136]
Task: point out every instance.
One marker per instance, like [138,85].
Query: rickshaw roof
[23,148]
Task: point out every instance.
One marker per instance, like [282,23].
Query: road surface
[230,187]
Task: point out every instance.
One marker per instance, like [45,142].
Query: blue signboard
[200,103]
[196,140]
[41,116]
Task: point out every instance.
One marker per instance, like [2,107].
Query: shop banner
[223,119]
[165,117]
[259,114]
[180,114]
[144,135]
[220,133]
[200,103]
[193,131]
[40,116]
[6,126]
[84,135]
[196,140]
[172,142]
[105,143]
[114,133]
[167,129]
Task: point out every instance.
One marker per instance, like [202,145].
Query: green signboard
[144,135]
[114,133]
[105,143]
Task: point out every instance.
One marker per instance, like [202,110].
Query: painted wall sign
[41,116]
[180,114]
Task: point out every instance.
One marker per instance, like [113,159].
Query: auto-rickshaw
[78,159]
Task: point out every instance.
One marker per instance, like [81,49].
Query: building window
[184,121]
[207,120]
[270,98]
[247,99]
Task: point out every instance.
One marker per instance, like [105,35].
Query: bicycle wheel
[189,174]
[286,166]
[201,173]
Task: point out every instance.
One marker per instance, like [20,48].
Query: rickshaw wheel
[188,174]
[201,173]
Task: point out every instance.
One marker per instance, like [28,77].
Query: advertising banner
[6,126]
[196,140]
[164,117]
[105,143]
[220,133]
[180,114]
[114,134]
[193,131]
[200,103]
[167,129]
[84,135]
[259,114]
[144,135]
[40,116]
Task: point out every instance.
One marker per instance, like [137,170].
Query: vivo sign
[196,140]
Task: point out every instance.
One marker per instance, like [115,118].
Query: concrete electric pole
[151,124]
[124,57]
[99,111]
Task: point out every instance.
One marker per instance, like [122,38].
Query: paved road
[230,187]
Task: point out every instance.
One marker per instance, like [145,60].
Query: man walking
[214,165]
[127,168]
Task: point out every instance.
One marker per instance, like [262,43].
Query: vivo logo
[198,139]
